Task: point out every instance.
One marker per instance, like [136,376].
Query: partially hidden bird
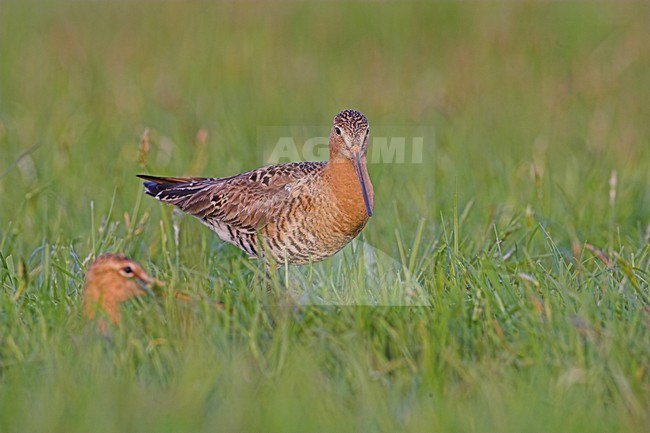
[296,213]
[112,279]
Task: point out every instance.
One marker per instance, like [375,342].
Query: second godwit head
[349,141]
[110,280]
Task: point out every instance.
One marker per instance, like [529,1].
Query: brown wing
[247,201]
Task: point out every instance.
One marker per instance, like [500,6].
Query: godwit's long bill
[359,162]
[301,211]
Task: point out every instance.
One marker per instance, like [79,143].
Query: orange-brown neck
[347,188]
[96,300]
[107,292]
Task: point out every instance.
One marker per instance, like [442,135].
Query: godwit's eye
[337,130]
[127,270]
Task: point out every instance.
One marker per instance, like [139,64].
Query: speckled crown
[351,118]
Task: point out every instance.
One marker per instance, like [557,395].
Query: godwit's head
[110,280]
[349,140]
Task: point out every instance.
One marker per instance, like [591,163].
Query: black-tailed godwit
[299,212]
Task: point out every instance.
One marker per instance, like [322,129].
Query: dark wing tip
[152,184]
[169,189]
[151,188]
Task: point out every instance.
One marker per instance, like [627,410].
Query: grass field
[524,226]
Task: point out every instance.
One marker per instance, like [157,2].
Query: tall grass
[502,284]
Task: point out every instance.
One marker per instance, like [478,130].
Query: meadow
[523,226]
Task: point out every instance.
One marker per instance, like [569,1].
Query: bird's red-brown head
[110,280]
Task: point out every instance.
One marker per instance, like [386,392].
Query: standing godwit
[110,280]
[298,212]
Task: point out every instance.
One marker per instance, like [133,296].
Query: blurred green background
[542,143]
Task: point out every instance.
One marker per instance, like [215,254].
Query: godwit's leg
[270,271]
